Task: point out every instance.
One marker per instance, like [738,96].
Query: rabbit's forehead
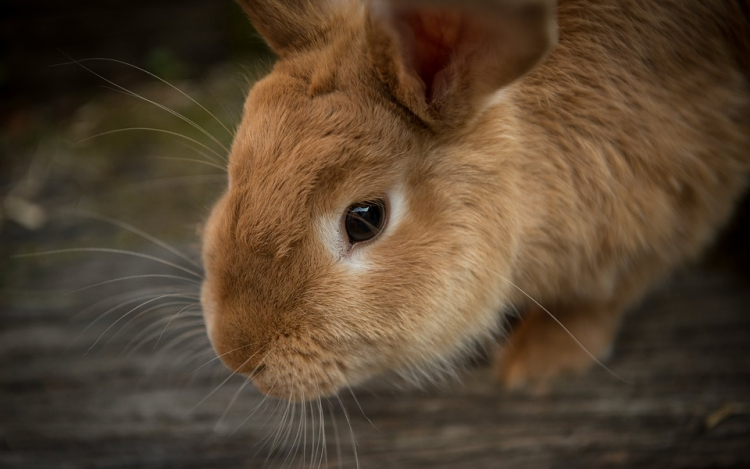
[289,137]
[296,155]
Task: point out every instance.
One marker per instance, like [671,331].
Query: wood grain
[686,351]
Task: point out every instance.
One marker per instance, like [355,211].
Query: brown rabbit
[411,170]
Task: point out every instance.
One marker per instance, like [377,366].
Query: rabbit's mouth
[296,378]
[289,364]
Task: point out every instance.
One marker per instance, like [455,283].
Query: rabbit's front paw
[549,344]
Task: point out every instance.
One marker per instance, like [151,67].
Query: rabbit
[409,172]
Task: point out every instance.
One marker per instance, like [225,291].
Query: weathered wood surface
[686,351]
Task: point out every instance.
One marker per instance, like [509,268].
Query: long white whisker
[567,331]
[193,160]
[113,251]
[255,409]
[234,372]
[270,435]
[323,443]
[231,402]
[200,354]
[283,442]
[219,356]
[133,277]
[303,426]
[114,308]
[335,431]
[221,163]
[351,391]
[174,113]
[105,59]
[148,333]
[351,431]
[173,295]
[159,105]
[314,430]
[156,309]
[195,331]
[152,129]
[186,308]
[163,182]
[295,441]
[137,232]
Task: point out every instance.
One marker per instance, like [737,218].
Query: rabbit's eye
[363,221]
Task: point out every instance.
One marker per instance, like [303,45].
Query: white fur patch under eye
[328,228]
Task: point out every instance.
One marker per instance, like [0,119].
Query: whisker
[221,163]
[157,183]
[216,160]
[194,330]
[351,391]
[138,232]
[200,354]
[273,413]
[313,441]
[284,445]
[303,427]
[159,105]
[324,443]
[351,431]
[84,312]
[567,331]
[186,308]
[234,372]
[156,311]
[193,160]
[114,308]
[278,441]
[335,430]
[112,251]
[294,443]
[105,59]
[152,129]
[219,356]
[233,117]
[231,403]
[274,435]
[255,409]
[133,277]
[316,453]
[148,333]
[173,295]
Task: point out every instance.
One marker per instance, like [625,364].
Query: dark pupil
[364,220]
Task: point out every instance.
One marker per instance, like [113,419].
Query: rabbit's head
[364,228]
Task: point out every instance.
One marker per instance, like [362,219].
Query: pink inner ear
[439,36]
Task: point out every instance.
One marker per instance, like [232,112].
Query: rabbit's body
[574,187]
[634,141]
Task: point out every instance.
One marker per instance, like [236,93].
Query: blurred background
[51,107]
[115,119]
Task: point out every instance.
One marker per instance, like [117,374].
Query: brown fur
[610,163]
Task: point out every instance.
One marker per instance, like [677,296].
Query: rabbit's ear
[442,59]
[289,25]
